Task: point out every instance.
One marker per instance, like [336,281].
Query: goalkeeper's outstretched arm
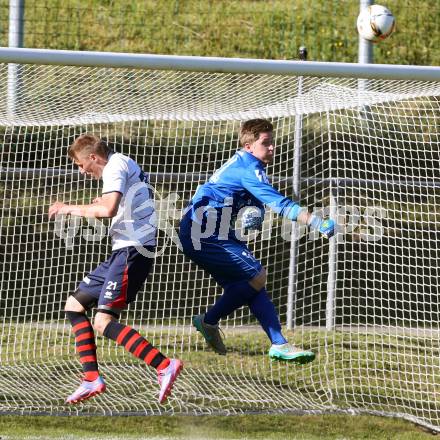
[268,195]
[325,226]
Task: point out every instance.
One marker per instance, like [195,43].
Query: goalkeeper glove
[252,219]
[326,227]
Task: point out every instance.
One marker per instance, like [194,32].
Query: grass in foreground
[272,427]
[359,370]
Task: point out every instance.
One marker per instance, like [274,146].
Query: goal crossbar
[217,64]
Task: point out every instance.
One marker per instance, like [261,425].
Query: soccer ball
[375,23]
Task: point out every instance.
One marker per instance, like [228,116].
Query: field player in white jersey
[115,282]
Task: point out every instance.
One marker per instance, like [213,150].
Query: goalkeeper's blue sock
[234,296]
[263,309]
[240,293]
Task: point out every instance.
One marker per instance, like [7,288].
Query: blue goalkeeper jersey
[240,182]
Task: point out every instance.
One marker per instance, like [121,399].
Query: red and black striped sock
[85,344]
[137,345]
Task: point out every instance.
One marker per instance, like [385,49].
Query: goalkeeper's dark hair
[88,144]
[250,130]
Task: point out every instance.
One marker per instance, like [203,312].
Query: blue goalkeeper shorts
[228,261]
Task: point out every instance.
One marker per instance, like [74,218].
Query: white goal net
[366,302]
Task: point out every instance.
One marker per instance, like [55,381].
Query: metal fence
[235,28]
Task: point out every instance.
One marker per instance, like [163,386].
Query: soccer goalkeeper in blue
[208,238]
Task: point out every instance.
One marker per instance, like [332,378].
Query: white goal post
[358,142]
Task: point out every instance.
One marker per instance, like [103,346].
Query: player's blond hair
[250,130]
[88,144]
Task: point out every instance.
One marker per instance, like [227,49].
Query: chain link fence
[272,29]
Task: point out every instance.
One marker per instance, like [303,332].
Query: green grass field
[243,28]
[270,427]
[358,369]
